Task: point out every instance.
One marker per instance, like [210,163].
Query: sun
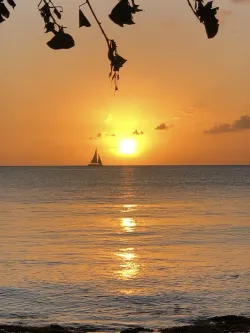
[127,147]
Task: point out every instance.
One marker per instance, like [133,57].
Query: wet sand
[224,324]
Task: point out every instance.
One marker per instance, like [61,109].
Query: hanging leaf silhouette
[11,3]
[83,21]
[4,10]
[116,62]
[61,40]
[206,15]
[122,13]
[57,13]
[212,27]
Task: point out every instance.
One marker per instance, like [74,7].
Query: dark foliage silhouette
[122,14]
[60,40]
[206,15]
[116,62]
[83,21]
[4,11]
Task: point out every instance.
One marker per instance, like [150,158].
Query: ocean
[116,247]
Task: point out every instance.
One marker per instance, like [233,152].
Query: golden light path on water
[128,258]
[129,266]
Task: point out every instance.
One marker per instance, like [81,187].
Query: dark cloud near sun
[241,124]
[113,135]
[163,127]
[101,135]
[136,132]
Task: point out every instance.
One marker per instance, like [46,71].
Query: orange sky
[52,102]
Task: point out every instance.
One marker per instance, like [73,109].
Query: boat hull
[95,165]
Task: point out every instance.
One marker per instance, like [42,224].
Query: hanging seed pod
[83,21]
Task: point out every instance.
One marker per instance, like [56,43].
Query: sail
[99,160]
[94,159]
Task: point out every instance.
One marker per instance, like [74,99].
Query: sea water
[114,247]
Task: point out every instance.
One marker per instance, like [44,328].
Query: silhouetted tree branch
[121,14]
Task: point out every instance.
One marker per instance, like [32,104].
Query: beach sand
[223,324]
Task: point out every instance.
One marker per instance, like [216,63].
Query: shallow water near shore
[115,247]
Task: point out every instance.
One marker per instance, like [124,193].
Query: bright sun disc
[127,146]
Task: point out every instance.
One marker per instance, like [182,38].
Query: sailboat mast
[94,159]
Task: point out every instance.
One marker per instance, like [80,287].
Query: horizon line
[117,165]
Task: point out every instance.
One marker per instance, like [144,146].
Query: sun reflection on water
[128,224]
[128,208]
[129,263]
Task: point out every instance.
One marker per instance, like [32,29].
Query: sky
[183,98]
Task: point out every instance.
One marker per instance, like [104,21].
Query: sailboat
[96,160]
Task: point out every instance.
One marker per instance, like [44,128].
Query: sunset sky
[188,97]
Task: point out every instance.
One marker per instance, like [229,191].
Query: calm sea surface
[119,246]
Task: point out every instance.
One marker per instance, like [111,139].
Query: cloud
[107,134]
[101,135]
[136,132]
[163,127]
[241,124]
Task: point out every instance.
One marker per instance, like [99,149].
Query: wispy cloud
[136,132]
[102,135]
[108,134]
[241,124]
[163,127]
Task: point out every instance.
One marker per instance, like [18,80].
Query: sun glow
[127,147]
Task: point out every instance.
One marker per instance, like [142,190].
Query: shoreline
[220,324]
